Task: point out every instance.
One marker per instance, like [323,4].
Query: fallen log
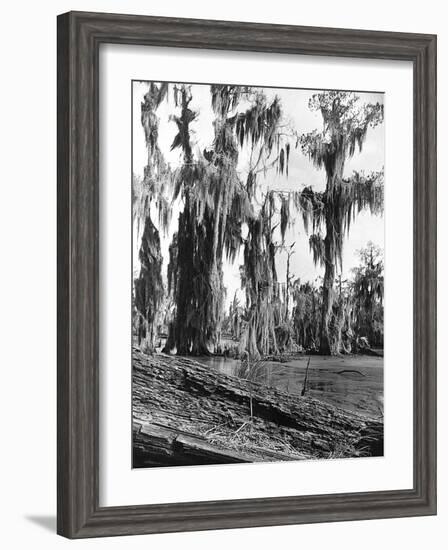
[186,413]
[156,445]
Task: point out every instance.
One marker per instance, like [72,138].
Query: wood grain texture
[305,427]
[79,37]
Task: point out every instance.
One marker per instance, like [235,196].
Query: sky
[302,172]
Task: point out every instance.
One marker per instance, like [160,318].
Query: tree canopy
[225,211]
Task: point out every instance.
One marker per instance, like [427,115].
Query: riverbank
[188,413]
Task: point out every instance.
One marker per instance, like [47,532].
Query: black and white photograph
[220,273]
[258,274]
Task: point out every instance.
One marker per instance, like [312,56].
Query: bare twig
[305,380]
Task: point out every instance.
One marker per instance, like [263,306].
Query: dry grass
[247,438]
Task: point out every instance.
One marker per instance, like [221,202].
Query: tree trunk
[333,236]
[185,277]
[252,336]
[149,286]
[199,344]
[325,347]
[170,343]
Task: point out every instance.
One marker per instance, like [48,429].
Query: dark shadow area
[46,522]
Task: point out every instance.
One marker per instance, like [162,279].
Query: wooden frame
[79,37]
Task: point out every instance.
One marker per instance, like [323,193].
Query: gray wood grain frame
[79,37]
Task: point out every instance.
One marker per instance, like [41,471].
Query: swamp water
[354,383]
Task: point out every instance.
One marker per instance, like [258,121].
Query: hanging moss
[216,205]
[149,287]
[345,126]
[367,290]
[306,314]
[151,190]
[208,187]
[259,279]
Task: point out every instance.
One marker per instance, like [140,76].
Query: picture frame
[80,35]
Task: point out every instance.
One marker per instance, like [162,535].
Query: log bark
[185,413]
